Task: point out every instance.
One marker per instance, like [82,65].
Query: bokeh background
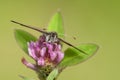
[91,21]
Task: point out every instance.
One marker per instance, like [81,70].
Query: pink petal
[41,61]
[53,55]
[29,65]
[60,56]
[43,51]
[49,46]
[32,51]
[41,38]
[57,47]
[37,47]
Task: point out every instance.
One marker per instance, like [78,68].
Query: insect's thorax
[51,37]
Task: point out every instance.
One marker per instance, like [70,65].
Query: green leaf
[22,37]
[56,24]
[73,56]
[25,78]
[53,74]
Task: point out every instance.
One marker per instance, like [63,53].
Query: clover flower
[44,53]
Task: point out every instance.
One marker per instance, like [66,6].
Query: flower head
[44,53]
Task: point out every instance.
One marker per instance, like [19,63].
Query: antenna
[72,46]
[48,33]
[29,27]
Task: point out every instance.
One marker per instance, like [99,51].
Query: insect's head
[51,37]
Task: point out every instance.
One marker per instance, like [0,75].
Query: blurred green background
[91,21]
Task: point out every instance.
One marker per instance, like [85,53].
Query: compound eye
[53,35]
[47,38]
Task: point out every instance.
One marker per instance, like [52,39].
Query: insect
[51,37]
